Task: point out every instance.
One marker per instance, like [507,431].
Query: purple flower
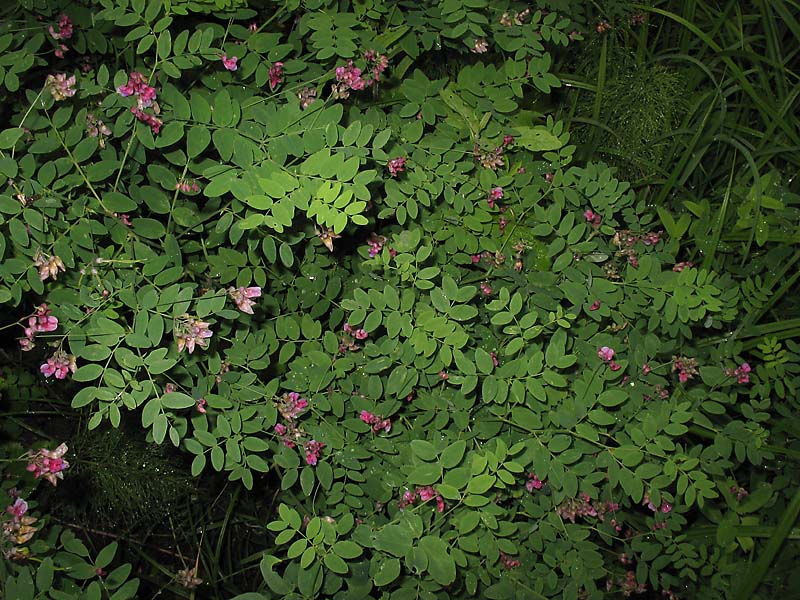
[230,63]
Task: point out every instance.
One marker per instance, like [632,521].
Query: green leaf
[452,455]
[537,139]
[88,372]
[426,474]
[347,549]
[394,539]
[424,450]
[481,483]
[441,565]
[177,401]
[388,571]
[9,137]
[611,398]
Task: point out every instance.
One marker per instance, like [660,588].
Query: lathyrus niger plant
[338,253]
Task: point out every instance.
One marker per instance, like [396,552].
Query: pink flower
[201,405]
[360,334]
[493,356]
[480,46]
[593,218]
[18,509]
[191,332]
[61,50]
[533,483]
[49,266]
[376,243]
[486,290]
[292,405]
[312,450]
[682,265]
[137,86]
[49,464]
[646,370]
[652,238]
[443,375]
[502,223]
[350,77]
[306,96]
[59,365]
[508,562]
[378,63]
[40,322]
[614,366]
[60,86]
[151,121]
[377,422]
[124,218]
[426,493]
[276,76]
[488,158]
[508,140]
[595,305]
[666,507]
[548,177]
[742,373]
[396,165]
[495,194]
[230,63]
[475,258]
[605,353]
[242,297]
[686,368]
[64,28]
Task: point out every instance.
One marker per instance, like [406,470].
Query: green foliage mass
[296,270]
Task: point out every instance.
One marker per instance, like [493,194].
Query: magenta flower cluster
[242,297]
[137,86]
[508,562]
[48,464]
[533,483]
[396,165]
[685,367]
[607,355]
[48,266]
[742,373]
[664,508]
[423,494]
[40,321]
[584,506]
[230,63]
[593,218]
[145,98]
[375,244]
[59,365]
[60,86]
[351,78]
[276,75]
[349,338]
[187,186]
[292,406]
[312,450]
[190,332]
[18,509]
[678,267]
[64,28]
[495,194]
[377,422]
